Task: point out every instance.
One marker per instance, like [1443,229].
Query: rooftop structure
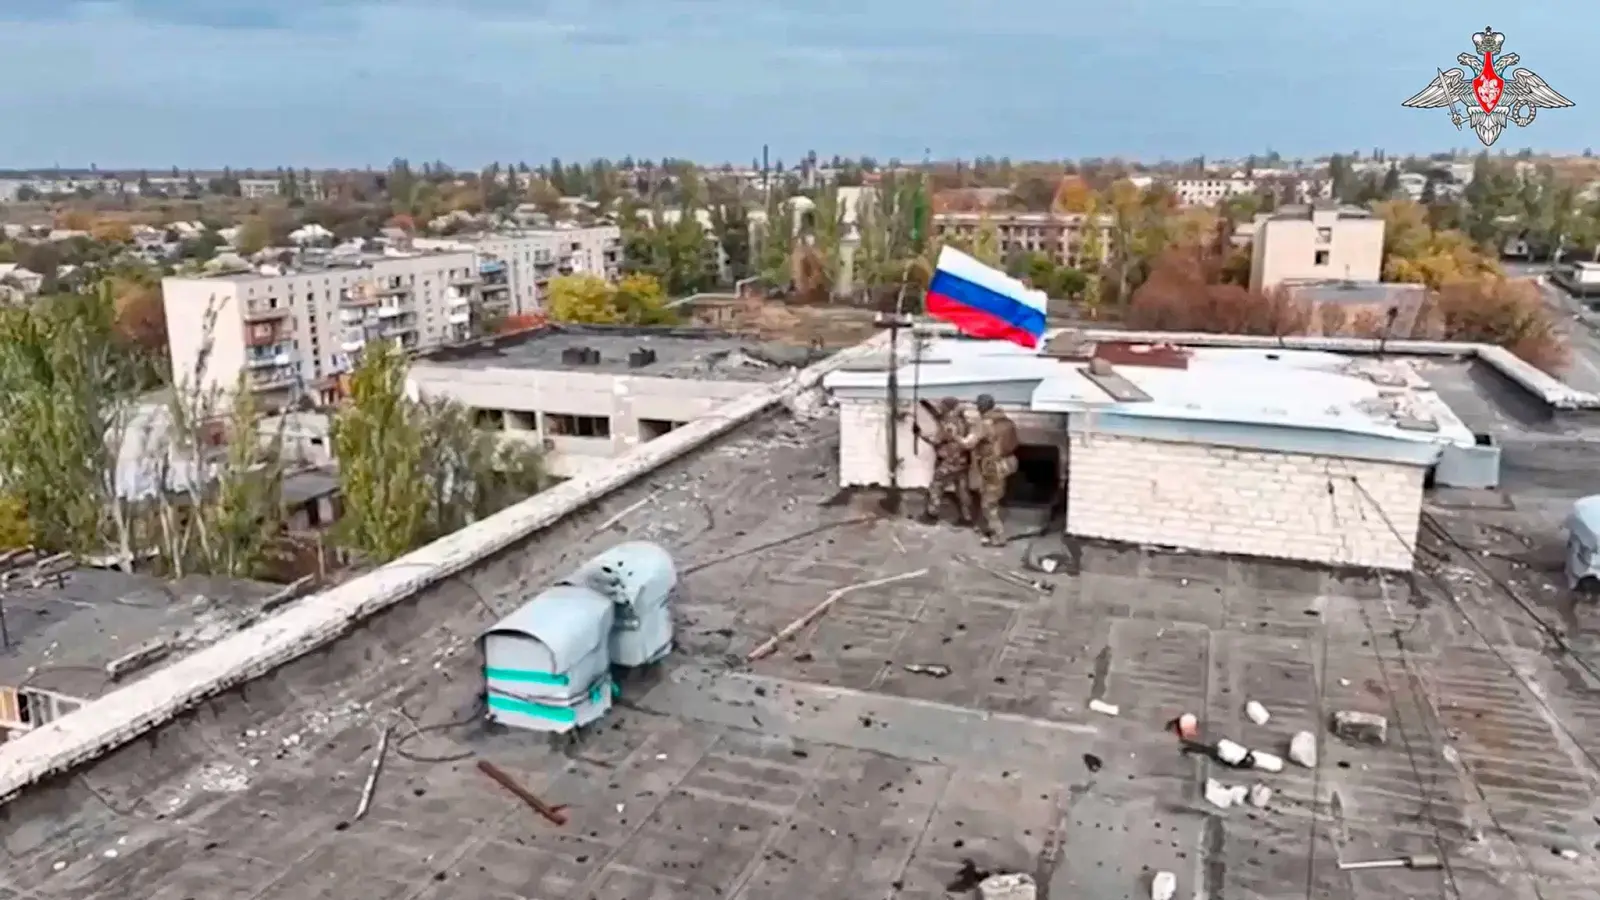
[591,393]
[837,767]
[1270,447]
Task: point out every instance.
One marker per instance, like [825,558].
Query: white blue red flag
[984,302]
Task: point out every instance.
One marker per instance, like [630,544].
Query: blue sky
[200,83]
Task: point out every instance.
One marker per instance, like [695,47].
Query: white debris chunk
[1104,708]
[1257,713]
[1303,749]
[1222,796]
[1015,886]
[1260,796]
[1230,752]
[1266,762]
[1164,886]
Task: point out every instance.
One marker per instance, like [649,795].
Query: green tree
[382,456]
[414,469]
[590,300]
[255,235]
[582,299]
[64,388]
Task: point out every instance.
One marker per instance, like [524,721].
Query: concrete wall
[1222,500]
[185,301]
[536,393]
[1286,249]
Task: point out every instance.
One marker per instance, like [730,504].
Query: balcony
[353,341]
[263,336]
[464,280]
[455,298]
[273,379]
[389,311]
[459,317]
[279,356]
[351,316]
[492,268]
[260,311]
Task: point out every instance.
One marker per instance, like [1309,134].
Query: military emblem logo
[1488,99]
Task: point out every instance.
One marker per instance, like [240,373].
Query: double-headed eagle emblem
[1489,100]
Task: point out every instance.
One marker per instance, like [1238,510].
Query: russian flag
[984,303]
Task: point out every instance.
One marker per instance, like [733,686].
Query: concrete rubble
[1361,727]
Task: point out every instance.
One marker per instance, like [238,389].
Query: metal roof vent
[641,357]
[580,356]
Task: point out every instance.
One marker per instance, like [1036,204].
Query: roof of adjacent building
[694,353]
[63,633]
[849,763]
[1356,292]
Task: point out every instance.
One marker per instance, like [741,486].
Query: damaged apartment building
[1273,448]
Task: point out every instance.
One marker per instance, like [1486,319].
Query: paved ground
[831,771]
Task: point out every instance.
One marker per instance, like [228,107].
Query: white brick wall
[1218,499]
[863,447]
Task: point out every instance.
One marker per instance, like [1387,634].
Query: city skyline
[343,83]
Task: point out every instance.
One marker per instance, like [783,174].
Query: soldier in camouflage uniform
[951,464]
[990,438]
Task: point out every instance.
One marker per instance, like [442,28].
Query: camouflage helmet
[985,403]
[948,404]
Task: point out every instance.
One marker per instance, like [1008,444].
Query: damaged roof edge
[1550,390]
[123,715]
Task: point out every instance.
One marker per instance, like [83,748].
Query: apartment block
[1059,236]
[1316,244]
[293,331]
[528,259]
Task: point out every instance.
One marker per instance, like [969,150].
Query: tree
[1184,293]
[1415,253]
[1492,309]
[1091,258]
[64,388]
[381,451]
[15,530]
[1073,195]
[414,469]
[590,300]
[254,235]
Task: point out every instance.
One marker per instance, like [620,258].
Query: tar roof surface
[680,353]
[830,771]
[63,635]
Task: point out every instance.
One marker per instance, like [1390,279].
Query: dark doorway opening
[1037,481]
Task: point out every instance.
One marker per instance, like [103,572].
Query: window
[1324,235]
[563,425]
[650,429]
[1322,257]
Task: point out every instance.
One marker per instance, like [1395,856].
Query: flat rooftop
[678,353]
[1356,292]
[836,769]
[63,634]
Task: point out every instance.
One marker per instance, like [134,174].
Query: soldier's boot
[994,528]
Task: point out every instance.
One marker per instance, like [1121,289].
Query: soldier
[951,463]
[992,439]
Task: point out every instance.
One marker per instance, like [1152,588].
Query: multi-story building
[294,330]
[1059,236]
[1210,191]
[528,259]
[1324,243]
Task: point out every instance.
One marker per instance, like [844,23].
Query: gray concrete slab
[828,770]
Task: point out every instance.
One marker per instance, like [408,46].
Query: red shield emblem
[1488,86]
